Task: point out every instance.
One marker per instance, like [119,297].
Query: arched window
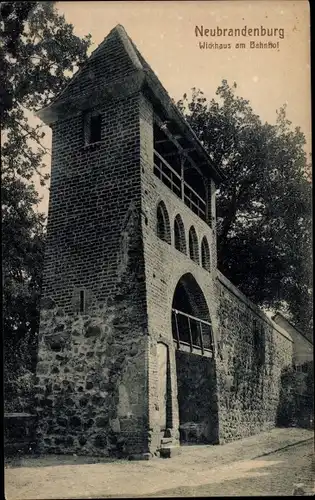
[205,254]
[163,223]
[179,234]
[193,245]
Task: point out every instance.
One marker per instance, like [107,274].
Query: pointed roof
[116,65]
[112,60]
[118,40]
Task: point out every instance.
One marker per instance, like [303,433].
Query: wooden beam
[171,137]
[163,126]
[192,164]
[188,150]
[161,141]
[172,153]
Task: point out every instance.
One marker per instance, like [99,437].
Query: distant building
[143,344]
[302,346]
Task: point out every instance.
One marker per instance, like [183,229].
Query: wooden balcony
[174,181]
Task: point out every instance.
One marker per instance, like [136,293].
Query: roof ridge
[129,46]
[124,38]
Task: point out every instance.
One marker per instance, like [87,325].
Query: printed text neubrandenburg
[245,31]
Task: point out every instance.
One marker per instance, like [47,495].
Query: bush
[296,397]
[19,377]
[19,391]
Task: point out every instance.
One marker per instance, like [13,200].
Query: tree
[264,206]
[38,54]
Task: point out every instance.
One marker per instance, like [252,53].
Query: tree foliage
[38,53]
[264,206]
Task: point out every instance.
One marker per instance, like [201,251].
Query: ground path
[252,466]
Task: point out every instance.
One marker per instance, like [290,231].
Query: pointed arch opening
[179,234]
[205,254]
[193,245]
[196,375]
[163,229]
[191,324]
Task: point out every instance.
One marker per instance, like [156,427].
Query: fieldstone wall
[90,393]
[91,389]
[91,385]
[251,354]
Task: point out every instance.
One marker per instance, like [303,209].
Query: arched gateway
[195,364]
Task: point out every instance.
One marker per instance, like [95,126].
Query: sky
[165,34]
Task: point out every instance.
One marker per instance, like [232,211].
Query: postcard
[157,249]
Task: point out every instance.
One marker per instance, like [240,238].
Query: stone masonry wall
[247,397]
[89,392]
[248,372]
[91,384]
[164,266]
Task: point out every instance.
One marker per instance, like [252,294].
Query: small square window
[92,127]
[82,301]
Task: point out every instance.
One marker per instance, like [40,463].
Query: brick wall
[85,181]
[165,265]
[91,384]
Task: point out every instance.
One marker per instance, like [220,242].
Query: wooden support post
[190,335]
[201,339]
[177,331]
[182,161]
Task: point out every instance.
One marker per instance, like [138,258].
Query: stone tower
[129,315]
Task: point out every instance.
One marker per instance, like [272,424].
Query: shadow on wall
[296,402]
[197,399]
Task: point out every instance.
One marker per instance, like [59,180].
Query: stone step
[169,451]
[166,440]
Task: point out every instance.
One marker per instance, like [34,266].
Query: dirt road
[231,469]
[274,474]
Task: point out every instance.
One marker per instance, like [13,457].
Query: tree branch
[47,151]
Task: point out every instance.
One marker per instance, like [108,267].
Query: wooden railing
[178,185]
[191,331]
